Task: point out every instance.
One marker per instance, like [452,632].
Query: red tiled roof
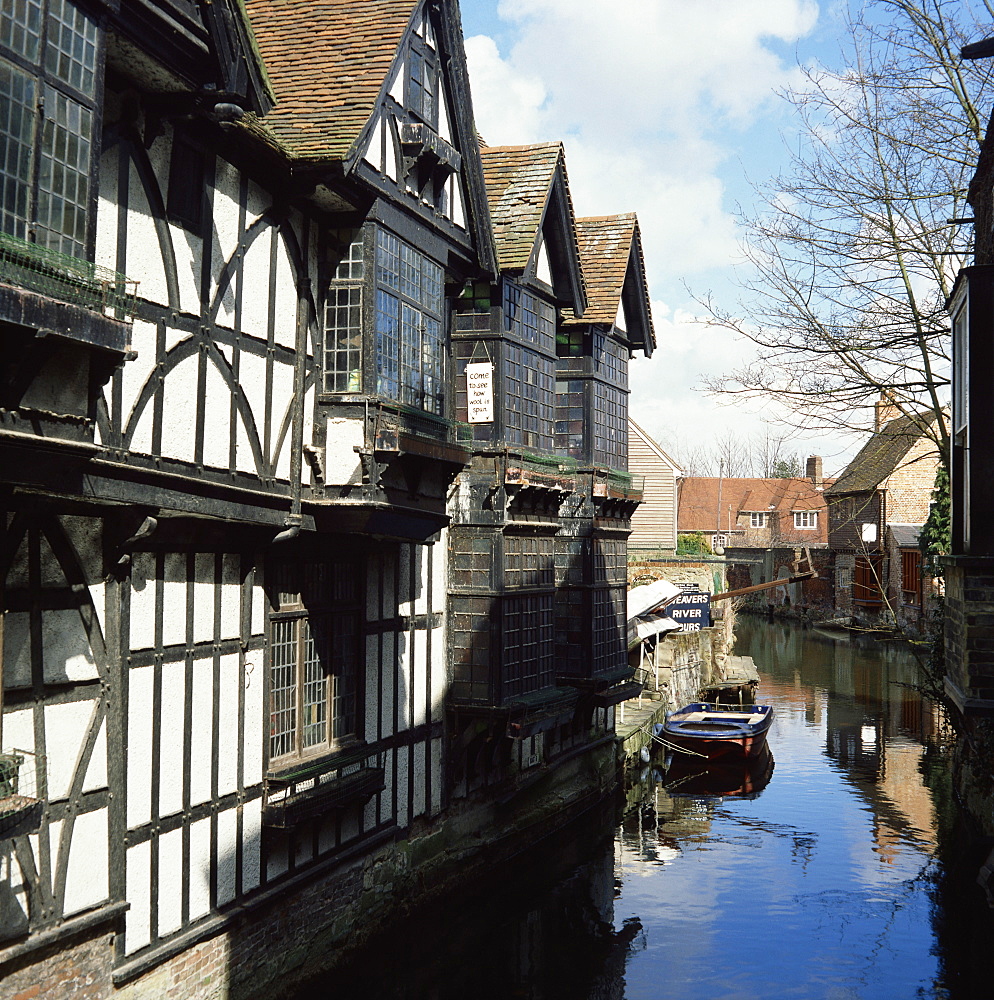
[704,500]
[605,248]
[328,61]
[519,180]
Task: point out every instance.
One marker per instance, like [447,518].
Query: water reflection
[839,871]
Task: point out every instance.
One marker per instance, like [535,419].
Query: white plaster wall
[107,210]
[226,235]
[342,463]
[204,592]
[227,749]
[171,738]
[252,379]
[179,410]
[419,677]
[140,686]
[251,844]
[231,597]
[96,773]
[66,727]
[386,695]
[170,882]
[285,331]
[420,584]
[227,840]
[405,605]
[253,678]
[372,687]
[439,670]
[255,291]
[200,868]
[138,881]
[404,669]
[86,874]
[144,255]
[374,148]
[174,599]
[134,375]
[142,617]
[282,407]
[17,649]
[18,730]
[66,647]
[201,731]
[439,573]
[217,417]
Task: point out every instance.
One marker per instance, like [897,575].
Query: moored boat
[711,730]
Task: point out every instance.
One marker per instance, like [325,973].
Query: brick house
[764,527]
[875,508]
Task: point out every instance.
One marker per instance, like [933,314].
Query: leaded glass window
[343,323]
[529,398]
[314,656]
[410,345]
[46,121]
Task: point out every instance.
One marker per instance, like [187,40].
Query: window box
[20,808]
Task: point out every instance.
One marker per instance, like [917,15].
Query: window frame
[61,83]
[758,518]
[329,595]
[806,520]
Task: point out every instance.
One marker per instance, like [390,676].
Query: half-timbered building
[271,602]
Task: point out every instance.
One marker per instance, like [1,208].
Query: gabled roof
[704,501]
[882,455]
[614,273]
[635,431]
[328,61]
[528,194]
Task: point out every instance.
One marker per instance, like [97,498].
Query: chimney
[813,471]
[884,410]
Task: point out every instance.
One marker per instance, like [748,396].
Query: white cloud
[660,104]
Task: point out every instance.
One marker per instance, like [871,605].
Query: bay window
[48,90]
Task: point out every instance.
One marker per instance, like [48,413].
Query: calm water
[834,868]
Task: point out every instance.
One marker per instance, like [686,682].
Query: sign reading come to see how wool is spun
[480,392]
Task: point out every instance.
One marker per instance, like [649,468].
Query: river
[836,868]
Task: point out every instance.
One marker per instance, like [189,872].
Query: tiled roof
[518,181]
[702,497]
[327,61]
[605,248]
[882,455]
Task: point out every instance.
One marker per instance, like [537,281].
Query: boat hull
[706,731]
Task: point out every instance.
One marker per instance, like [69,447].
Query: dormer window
[48,86]
[422,83]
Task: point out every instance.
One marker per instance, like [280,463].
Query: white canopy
[650,596]
[649,625]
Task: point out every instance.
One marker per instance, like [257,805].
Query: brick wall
[969,631]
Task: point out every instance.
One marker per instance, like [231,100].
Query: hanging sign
[692,609]
[480,392]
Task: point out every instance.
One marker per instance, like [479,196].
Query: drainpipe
[293,520]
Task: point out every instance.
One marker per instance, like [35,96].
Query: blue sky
[667,108]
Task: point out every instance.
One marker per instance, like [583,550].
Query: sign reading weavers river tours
[691,610]
[480,392]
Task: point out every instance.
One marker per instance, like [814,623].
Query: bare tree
[858,243]
[763,456]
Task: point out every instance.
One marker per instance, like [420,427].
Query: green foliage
[787,468]
[933,539]
[693,543]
